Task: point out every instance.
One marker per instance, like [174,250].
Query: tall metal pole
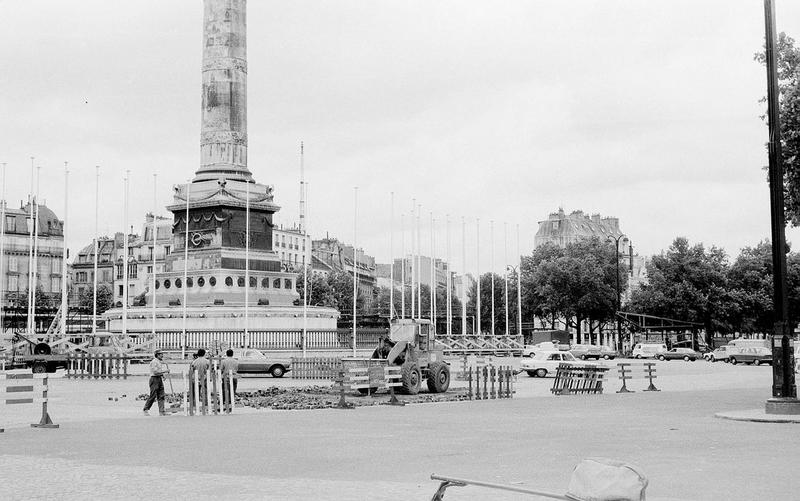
[188,193]
[31,201]
[478,272]
[3,278]
[306,264]
[433,275]
[355,263]
[491,266]
[449,282]
[784,391]
[391,256]
[247,264]
[419,262]
[155,239]
[619,329]
[125,259]
[35,247]
[413,270]
[402,266]
[64,305]
[96,248]
[519,287]
[463,276]
[505,268]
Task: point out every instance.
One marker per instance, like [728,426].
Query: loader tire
[438,377]
[411,379]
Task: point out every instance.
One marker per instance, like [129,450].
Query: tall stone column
[223,137]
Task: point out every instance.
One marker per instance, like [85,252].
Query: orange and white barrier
[16,389]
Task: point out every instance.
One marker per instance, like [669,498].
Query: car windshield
[568,356]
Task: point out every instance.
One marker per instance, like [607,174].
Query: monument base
[783,406]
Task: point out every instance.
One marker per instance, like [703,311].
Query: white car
[546,362]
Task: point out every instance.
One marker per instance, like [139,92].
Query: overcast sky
[643,110]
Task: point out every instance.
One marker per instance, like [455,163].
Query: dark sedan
[679,353]
[586,351]
[755,356]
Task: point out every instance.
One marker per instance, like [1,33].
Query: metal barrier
[23,392]
[502,376]
[370,378]
[315,368]
[476,362]
[213,394]
[626,374]
[572,379]
[97,366]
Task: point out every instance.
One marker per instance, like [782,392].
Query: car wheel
[661,357]
[756,362]
[583,357]
[39,368]
[606,357]
[733,360]
[277,371]
[541,372]
[712,359]
[686,358]
[638,357]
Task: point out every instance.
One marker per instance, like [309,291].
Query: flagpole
[31,201]
[433,276]
[64,305]
[478,330]
[125,258]
[306,253]
[96,249]
[491,266]
[391,257]
[247,266]
[448,281]
[419,261]
[155,240]
[402,266]
[464,276]
[413,269]
[36,247]
[519,288]
[505,267]
[3,253]
[355,263]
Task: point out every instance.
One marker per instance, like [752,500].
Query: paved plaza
[107,449]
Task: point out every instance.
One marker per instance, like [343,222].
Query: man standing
[229,367]
[200,367]
[157,371]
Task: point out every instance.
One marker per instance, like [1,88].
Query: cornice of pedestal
[222,192]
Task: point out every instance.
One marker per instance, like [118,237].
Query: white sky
[645,110]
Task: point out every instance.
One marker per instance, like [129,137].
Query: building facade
[331,255]
[293,245]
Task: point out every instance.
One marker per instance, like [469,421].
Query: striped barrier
[22,388]
[315,368]
[210,394]
[97,366]
[626,374]
[485,379]
[575,379]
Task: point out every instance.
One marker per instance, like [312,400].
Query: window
[121,291]
[132,270]
[265,283]
[57,264]
[178,283]
[11,223]
[55,284]
[119,271]
[287,283]
[13,283]
[150,269]
[166,284]
[229,281]
[166,249]
[276,284]
[201,282]
[253,282]
[555,225]
[81,277]
[130,250]
[212,281]
[12,263]
[189,282]
[240,282]
[158,284]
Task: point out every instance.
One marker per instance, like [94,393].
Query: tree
[105,298]
[334,290]
[788,69]
[688,283]
[576,283]
[499,303]
[43,300]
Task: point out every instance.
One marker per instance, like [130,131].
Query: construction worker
[199,367]
[229,367]
[157,371]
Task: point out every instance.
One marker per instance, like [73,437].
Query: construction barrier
[626,374]
[369,378]
[490,382]
[97,366]
[22,386]
[210,393]
[315,368]
[475,362]
[574,379]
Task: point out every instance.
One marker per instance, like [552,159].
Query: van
[648,350]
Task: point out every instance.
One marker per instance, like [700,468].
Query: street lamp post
[619,292]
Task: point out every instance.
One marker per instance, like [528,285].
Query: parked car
[608,353]
[530,350]
[755,355]
[648,350]
[585,351]
[546,362]
[679,353]
[254,362]
[721,353]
